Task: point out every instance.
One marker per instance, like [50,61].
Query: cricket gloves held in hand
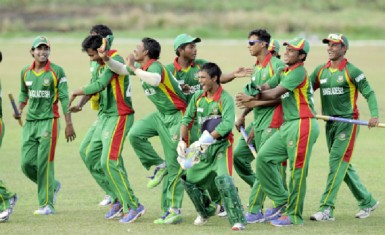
[204,141]
[181,149]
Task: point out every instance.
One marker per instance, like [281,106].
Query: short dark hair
[262,35]
[101,29]
[183,46]
[153,47]
[213,70]
[92,42]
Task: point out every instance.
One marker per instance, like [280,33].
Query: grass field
[77,210]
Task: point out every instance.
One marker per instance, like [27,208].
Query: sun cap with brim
[274,46]
[40,40]
[337,38]
[298,44]
[184,39]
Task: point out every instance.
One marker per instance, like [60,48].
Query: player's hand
[250,137]
[185,88]
[240,122]
[70,132]
[75,109]
[373,122]
[181,149]
[243,72]
[103,53]
[131,61]
[243,101]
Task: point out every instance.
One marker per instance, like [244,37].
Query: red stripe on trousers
[304,132]
[349,150]
[117,138]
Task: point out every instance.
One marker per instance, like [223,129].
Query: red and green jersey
[201,109]
[266,116]
[339,89]
[42,91]
[297,102]
[187,76]
[167,96]
[114,89]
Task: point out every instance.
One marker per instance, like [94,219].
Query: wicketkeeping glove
[191,157]
[181,149]
[205,141]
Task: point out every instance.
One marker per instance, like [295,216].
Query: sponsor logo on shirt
[323,81]
[63,79]
[360,77]
[200,109]
[39,94]
[149,91]
[253,78]
[333,91]
[28,83]
[286,95]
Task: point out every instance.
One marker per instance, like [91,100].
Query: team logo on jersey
[264,76]
[340,79]
[290,144]
[46,82]
[196,76]
[342,136]
[214,110]
[253,78]
[28,83]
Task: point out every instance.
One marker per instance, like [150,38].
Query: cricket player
[215,166]
[112,129]
[92,161]
[268,117]
[164,92]
[7,198]
[294,140]
[43,85]
[339,82]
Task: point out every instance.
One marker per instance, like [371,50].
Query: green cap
[40,40]
[298,44]
[184,39]
[337,38]
[274,45]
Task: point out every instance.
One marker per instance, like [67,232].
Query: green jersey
[201,109]
[263,115]
[298,102]
[339,90]
[167,96]
[114,89]
[42,90]
[187,76]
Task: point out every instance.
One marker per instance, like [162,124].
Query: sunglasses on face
[252,42]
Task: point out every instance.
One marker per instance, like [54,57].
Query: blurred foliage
[229,18]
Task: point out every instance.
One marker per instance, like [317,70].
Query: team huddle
[193,119]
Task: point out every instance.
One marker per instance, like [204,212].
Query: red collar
[293,66]
[177,65]
[217,94]
[145,67]
[46,67]
[341,66]
[265,61]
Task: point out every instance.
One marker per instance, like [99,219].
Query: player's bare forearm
[183,132]
[69,130]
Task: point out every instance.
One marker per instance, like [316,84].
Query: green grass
[77,210]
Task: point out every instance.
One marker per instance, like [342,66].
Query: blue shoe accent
[252,218]
[57,189]
[13,200]
[282,221]
[116,210]
[133,214]
[274,213]
[46,210]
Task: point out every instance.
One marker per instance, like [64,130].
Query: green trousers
[294,141]
[37,157]
[167,127]
[340,138]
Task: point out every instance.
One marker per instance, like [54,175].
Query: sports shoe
[13,200]
[174,217]
[364,213]
[106,201]
[4,215]
[115,211]
[157,178]
[44,211]
[200,220]
[238,227]
[222,211]
[282,221]
[57,189]
[274,213]
[161,219]
[325,215]
[252,218]
[133,214]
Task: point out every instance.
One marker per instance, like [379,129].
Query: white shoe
[364,213]
[238,227]
[323,215]
[44,211]
[200,220]
[106,201]
[4,215]
[222,211]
